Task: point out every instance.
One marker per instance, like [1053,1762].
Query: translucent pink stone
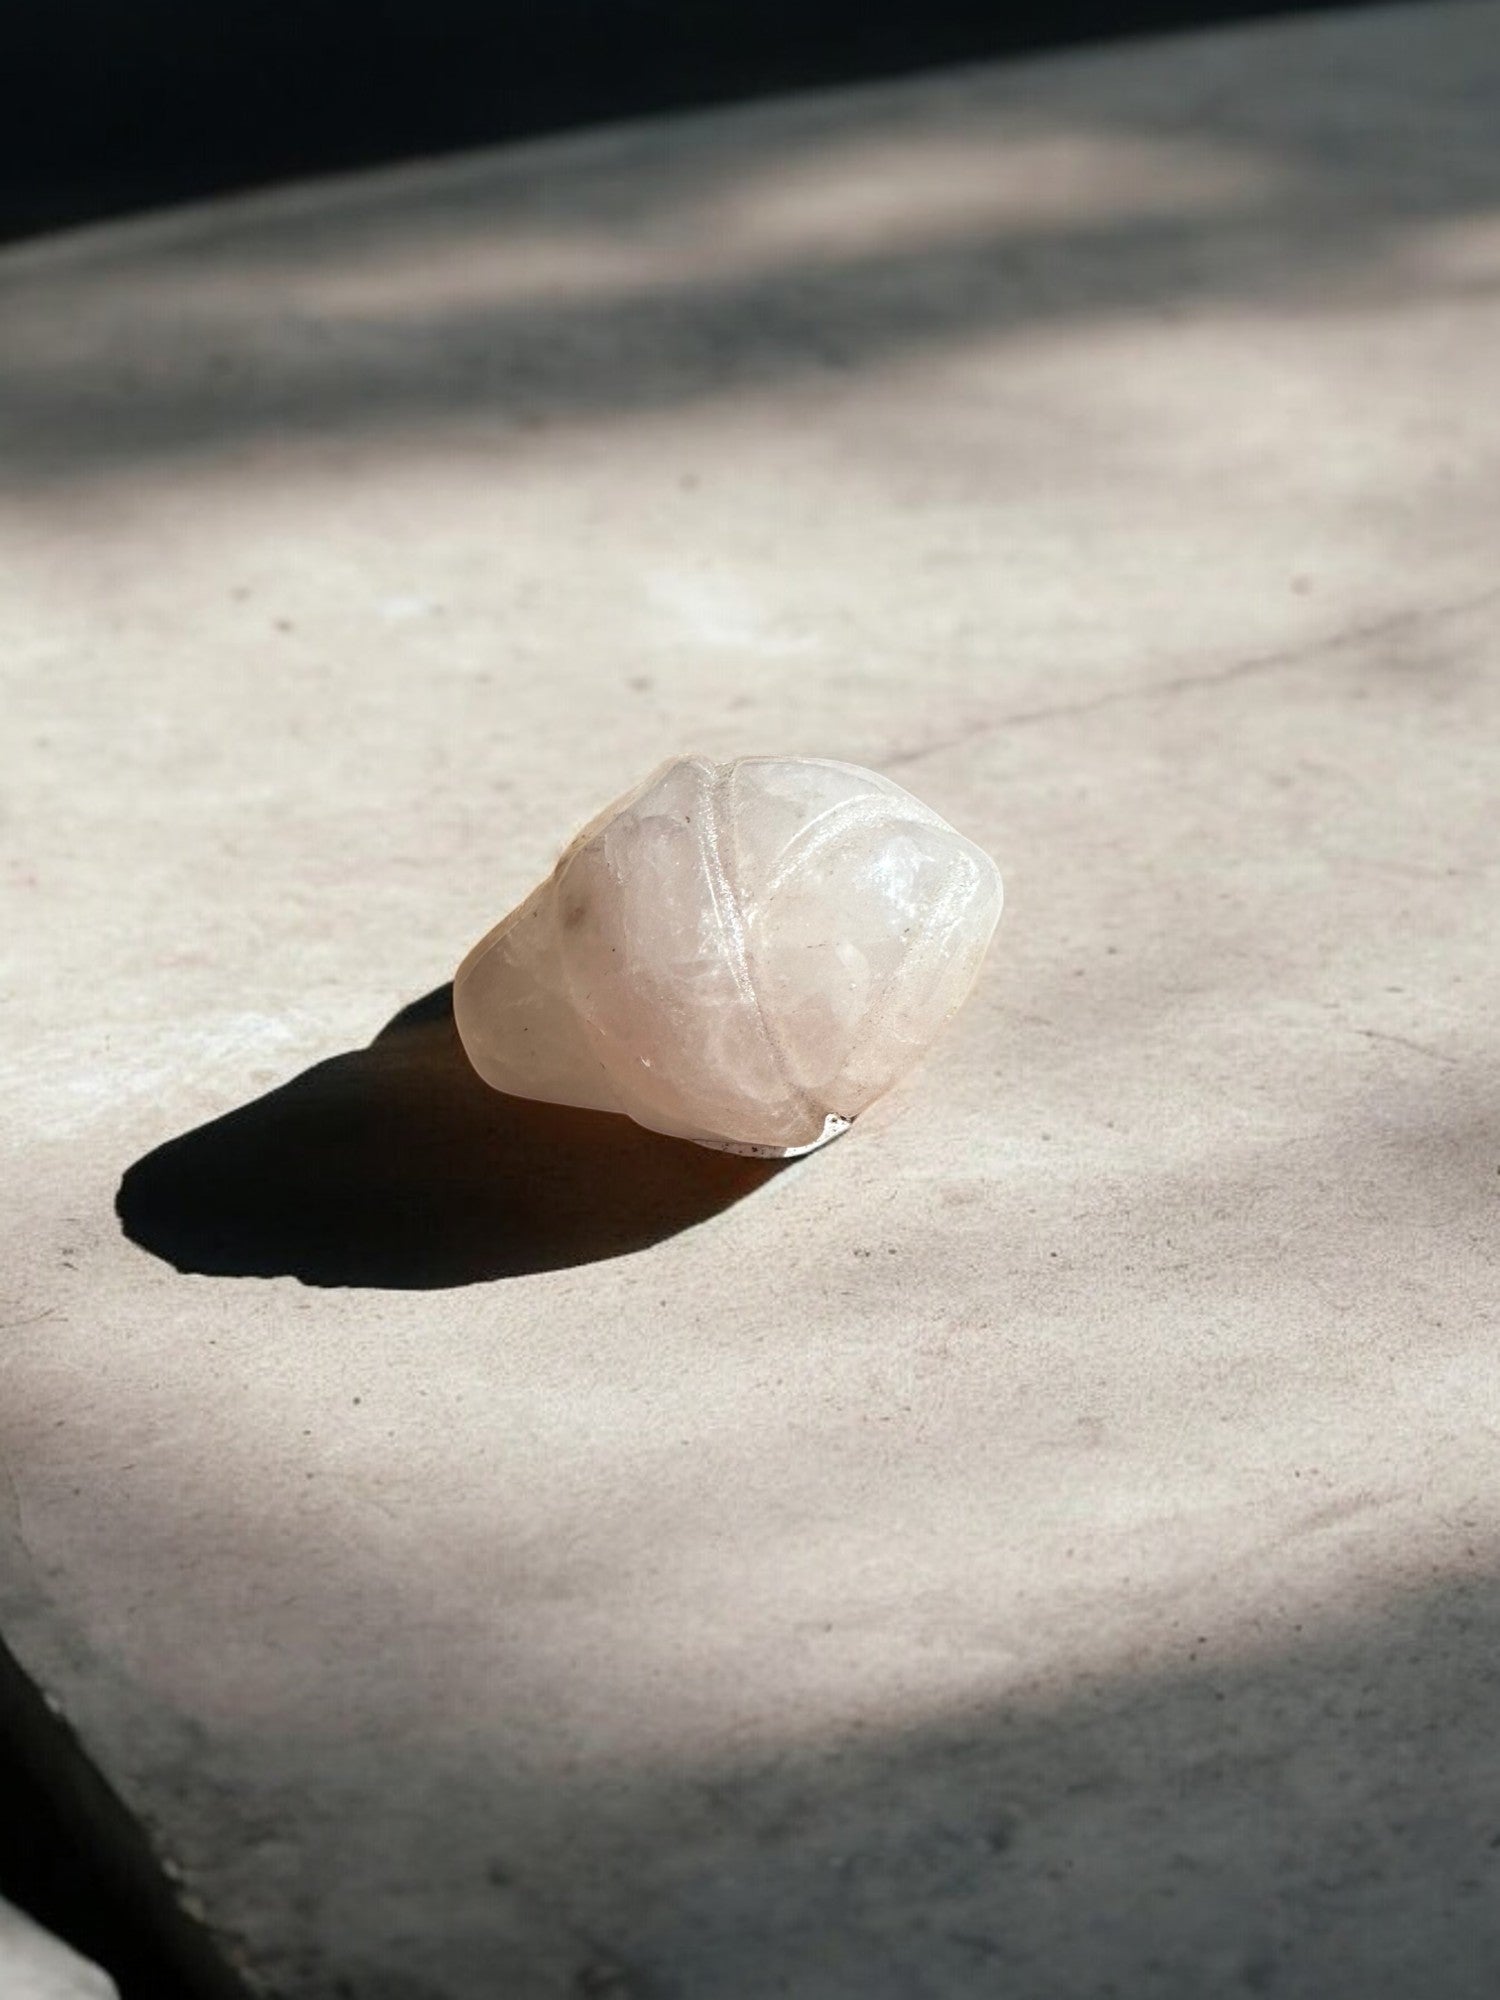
[742,954]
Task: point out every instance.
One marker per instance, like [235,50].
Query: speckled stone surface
[1045,1543]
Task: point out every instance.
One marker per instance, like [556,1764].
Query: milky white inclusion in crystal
[743,954]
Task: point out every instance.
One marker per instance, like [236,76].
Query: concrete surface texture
[1044,1544]
[35,1966]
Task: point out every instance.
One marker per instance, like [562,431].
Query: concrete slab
[37,1966]
[1046,1543]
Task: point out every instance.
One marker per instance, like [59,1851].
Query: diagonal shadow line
[676,343]
[395,1166]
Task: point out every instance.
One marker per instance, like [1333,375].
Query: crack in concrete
[1401,1042]
[1413,616]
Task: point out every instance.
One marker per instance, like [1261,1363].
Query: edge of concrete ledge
[138,1918]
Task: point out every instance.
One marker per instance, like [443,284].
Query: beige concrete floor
[1044,1545]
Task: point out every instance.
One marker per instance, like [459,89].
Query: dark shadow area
[394,1166]
[227,334]
[1314,1817]
[1318,1817]
[116,108]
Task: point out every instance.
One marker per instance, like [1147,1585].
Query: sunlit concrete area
[1045,1544]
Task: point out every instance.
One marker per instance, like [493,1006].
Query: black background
[111,107]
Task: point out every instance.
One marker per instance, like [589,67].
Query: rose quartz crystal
[742,954]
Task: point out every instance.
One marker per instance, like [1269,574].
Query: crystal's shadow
[394,1166]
